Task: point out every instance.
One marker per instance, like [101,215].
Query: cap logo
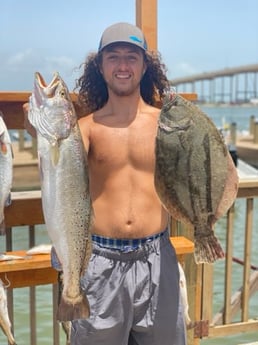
[136,39]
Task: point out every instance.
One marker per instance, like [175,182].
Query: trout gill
[66,199]
[6,171]
[195,177]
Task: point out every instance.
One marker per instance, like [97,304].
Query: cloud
[184,69]
[17,69]
[20,58]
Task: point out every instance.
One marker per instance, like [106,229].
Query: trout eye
[62,93]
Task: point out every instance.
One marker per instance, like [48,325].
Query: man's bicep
[84,129]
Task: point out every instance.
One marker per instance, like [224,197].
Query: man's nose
[123,62]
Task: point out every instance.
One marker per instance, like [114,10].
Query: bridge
[229,85]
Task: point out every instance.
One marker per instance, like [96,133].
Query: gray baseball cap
[123,32]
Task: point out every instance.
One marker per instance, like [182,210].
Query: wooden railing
[26,212]
[233,317]
[225,322]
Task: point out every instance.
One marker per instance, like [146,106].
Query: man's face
[123,67]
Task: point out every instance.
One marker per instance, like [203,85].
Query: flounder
[195,176]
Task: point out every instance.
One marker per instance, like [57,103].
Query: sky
[194,36]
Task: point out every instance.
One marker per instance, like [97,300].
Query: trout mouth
[49,89]
[51,109]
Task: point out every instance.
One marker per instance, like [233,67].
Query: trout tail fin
[68,311]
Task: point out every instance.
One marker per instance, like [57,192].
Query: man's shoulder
[152,110]
[85,122]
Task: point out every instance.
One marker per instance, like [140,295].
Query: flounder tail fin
[207,249]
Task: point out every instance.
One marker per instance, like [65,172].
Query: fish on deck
[40,249]
[10,257]
[4,316]
[6,171]
[195,176]
[184,295]
[65,188]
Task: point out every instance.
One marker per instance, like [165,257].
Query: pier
[235,85]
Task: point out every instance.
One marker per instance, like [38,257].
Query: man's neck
[124,106]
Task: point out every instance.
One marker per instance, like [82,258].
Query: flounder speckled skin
[193,171]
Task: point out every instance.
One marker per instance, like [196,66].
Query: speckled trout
[195,177]
[65,188]
[6,171]
[5,322]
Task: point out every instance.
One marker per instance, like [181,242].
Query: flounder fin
[207,249]
[55,154]
[68,311]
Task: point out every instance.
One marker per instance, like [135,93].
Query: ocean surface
[221,116]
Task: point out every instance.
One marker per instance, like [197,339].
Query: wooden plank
[234,328]
[22,96]
[182,245]
[14,96]
[248,188]
[247,256]
[228,266]
[207,291]
[18,279]
[25,209]
[146,19]
[31,271]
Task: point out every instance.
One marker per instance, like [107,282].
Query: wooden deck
[247,150]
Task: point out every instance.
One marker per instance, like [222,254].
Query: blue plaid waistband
[124,244]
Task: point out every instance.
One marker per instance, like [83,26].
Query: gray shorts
[134,297]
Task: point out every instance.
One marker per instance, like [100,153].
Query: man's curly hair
[93,92]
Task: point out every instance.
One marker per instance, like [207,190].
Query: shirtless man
[132,281]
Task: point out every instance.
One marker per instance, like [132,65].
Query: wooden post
[251,124]
[146,20]
[233,130]
[256,132]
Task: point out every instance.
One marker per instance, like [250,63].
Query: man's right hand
[27,125]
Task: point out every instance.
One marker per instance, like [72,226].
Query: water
[220,115]
[237,271]
[234,114]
